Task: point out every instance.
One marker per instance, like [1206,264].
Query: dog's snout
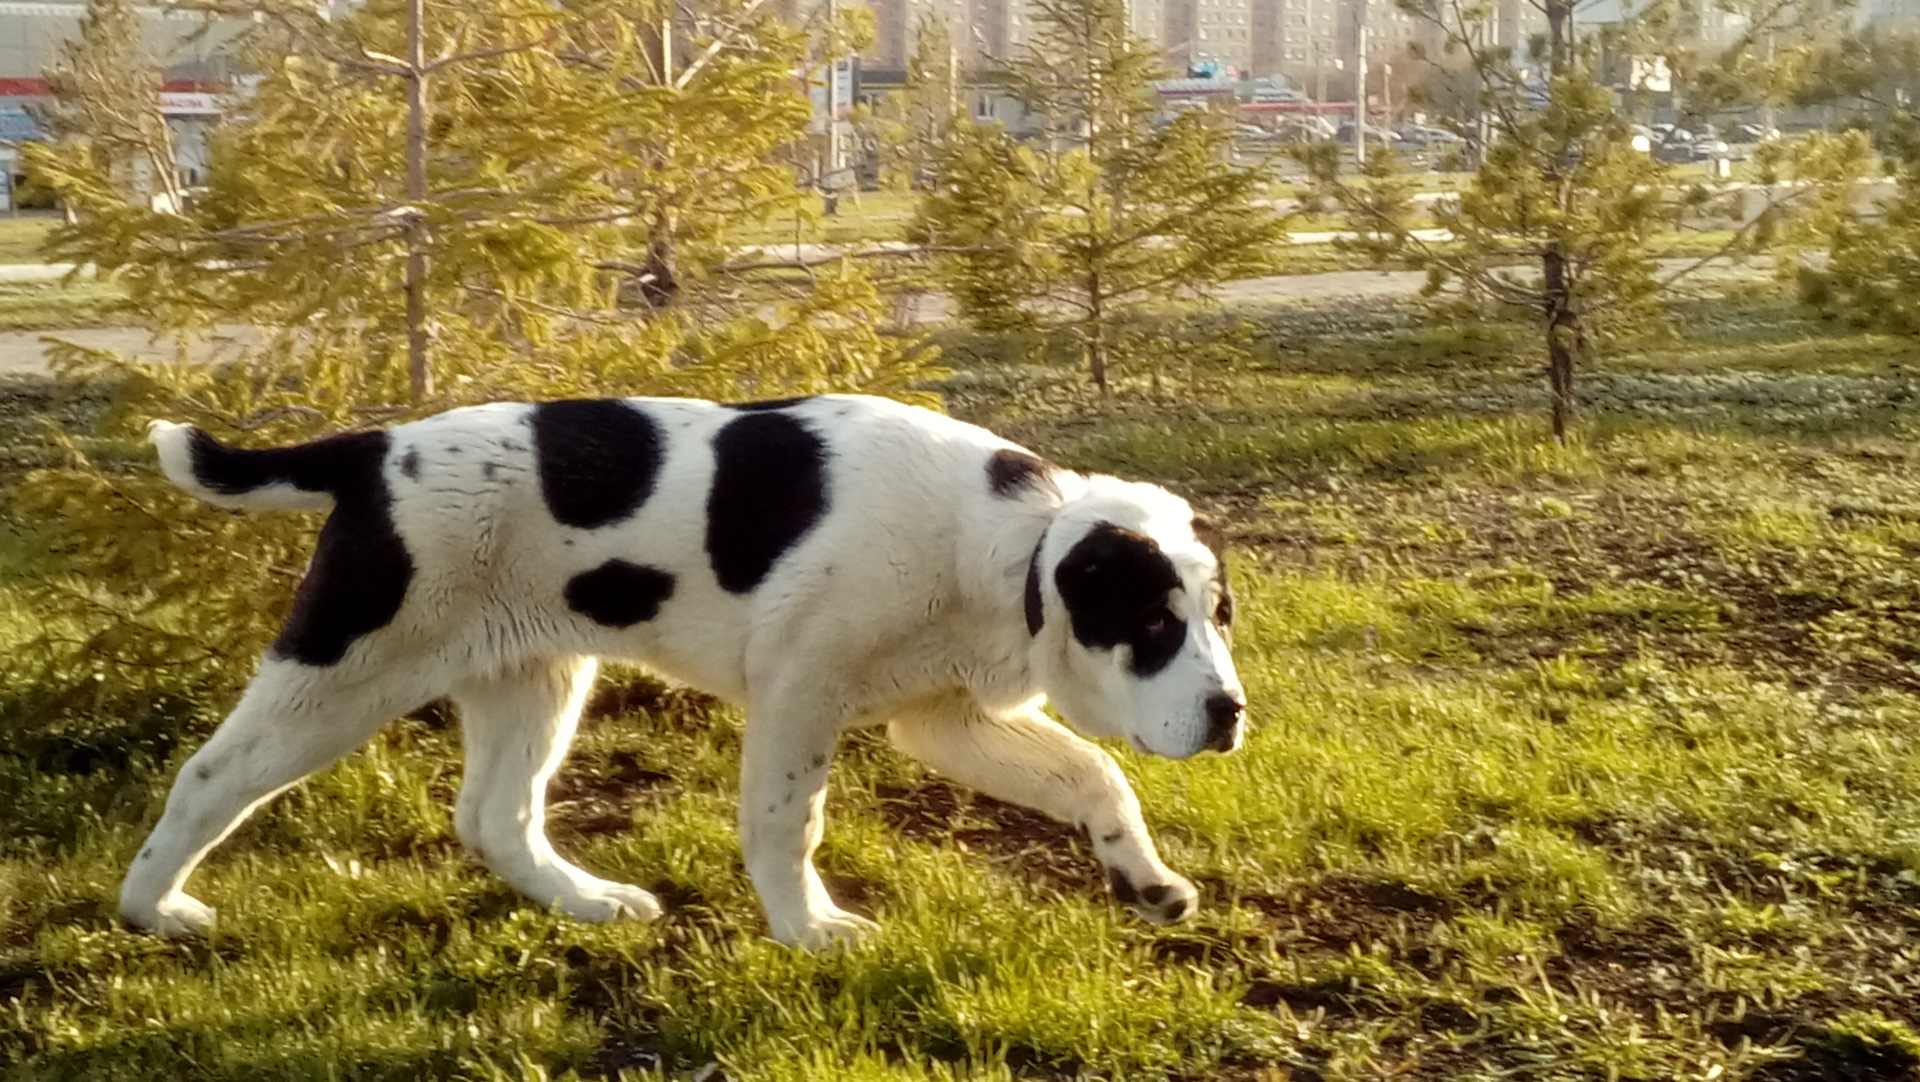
[1223,721]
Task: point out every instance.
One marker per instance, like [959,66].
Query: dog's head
[1132,619]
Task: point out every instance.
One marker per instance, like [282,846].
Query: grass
[42,306]
[1595,762]
[20,237]
[865,218]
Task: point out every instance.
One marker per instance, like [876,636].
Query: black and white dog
[825,562]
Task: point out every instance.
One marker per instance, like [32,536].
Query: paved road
[26,351]
[33,272]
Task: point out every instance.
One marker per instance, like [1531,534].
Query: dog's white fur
[902,605]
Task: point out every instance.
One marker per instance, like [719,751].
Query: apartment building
[1309,42]
[191,54]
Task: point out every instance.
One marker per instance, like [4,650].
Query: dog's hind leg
[517,725]
[292,720]
[1031,760]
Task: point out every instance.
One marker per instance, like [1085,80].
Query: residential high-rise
[1300,40]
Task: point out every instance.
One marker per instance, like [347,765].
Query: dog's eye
[1157,621]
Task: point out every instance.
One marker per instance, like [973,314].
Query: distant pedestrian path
[26,351]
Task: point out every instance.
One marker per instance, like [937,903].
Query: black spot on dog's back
[1114,583]
[410,464]
[598,459]
[360,569]
[1012,474]
[619,594]
[769,488]
[771,403]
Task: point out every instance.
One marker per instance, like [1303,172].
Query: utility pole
[830,175]
[1386,103]
[419,372]
[1360,82]
[1766,115]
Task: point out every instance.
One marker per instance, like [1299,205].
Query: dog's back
[652,529]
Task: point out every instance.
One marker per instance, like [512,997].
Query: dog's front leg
[1027,758]
[784,758]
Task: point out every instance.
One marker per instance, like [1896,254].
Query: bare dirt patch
[1015,839]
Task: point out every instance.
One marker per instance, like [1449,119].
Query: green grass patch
[866,218]
[1589,762]
[21,237]
[46,306]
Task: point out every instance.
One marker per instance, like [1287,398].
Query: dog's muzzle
[1224,714]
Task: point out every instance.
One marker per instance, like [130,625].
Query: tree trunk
[419,372]
[1096,333]
[1563,323]
[1563,336]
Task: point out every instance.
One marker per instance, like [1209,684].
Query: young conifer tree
[1871,275]
[1096,203]
[1561,218]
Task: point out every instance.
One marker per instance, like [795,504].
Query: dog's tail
[307,477]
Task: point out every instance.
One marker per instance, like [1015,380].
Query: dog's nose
[1223,721]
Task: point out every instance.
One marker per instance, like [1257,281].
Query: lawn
[21,236]
[1595,762]
[43,306]
[861,218]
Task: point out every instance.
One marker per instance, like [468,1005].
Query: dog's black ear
[1099,560]
[1110,582]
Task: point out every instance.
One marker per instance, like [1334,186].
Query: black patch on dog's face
[360,569]
[410,465]
[772,403]
[619,594]
[1209,534]
[598,459]
[769,488]
[1012,474]
[1115,583]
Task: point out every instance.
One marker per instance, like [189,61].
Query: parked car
[1697,150]
[1428,137]
[1375,134]
[1277,94]
[1303,129]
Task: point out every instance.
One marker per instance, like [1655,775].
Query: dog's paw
[822,930]
[606,901]
[1170,901]
[173,917]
